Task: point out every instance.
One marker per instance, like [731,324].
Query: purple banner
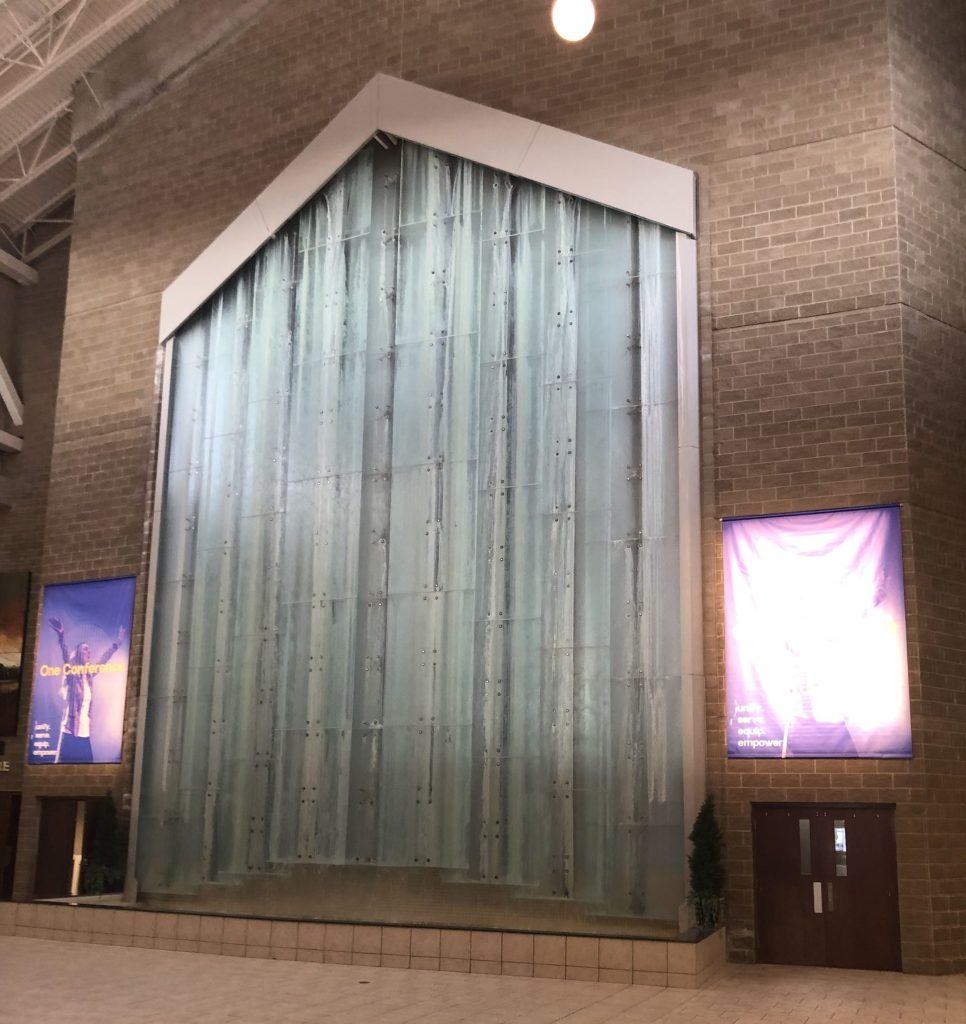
[815,636]
[80,677]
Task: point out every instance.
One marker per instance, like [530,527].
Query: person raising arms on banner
[77,691]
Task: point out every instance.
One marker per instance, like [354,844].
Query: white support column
[130,877]
[689,492]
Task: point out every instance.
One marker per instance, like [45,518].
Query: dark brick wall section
[8,321]
[927,43]
[927,40]
[934,360]
[940,552]
[932,231]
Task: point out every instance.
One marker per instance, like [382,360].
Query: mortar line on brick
[110,305]
[803,319]
[932,149]
[935,319]
[934,510]
[800,145]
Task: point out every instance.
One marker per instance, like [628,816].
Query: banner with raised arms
[80,675]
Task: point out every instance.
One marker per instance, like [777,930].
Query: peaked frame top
[596,171]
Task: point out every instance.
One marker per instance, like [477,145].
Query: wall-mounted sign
[815,636]
[14,593]
[80,676]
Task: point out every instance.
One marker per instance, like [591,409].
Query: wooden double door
[9,822]
[826,891]
[59,847]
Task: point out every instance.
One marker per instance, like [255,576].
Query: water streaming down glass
[417,610]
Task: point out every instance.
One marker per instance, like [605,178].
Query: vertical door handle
[817,897]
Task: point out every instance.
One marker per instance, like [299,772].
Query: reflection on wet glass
[840,849]
[805,845]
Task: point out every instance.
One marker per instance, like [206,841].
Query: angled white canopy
[636,184]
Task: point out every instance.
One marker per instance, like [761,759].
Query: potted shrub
[101,869]
[706,867]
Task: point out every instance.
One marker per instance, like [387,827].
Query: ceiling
[46,48]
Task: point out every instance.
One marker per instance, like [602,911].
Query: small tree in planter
[101,869]
[706,864]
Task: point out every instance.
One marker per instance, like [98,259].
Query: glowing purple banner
[815,636]
[80,678]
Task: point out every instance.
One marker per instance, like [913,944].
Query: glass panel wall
[416,648]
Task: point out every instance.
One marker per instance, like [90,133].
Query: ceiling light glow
[573,19]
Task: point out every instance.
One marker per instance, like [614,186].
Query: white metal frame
[693,730]
[637,184]
[601,173]
[130,878]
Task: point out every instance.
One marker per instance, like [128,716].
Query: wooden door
[9,823]
[55,847]
[825,886]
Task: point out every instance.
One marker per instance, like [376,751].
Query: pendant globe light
[573,19]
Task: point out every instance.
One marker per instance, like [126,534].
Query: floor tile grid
[575,958]
[38,978]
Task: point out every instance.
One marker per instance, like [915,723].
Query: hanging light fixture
[573,19]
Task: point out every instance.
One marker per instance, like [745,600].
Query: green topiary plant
[101,869]
[706,865]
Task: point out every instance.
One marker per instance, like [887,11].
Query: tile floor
[43,980]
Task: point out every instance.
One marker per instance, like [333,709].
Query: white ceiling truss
[47,47]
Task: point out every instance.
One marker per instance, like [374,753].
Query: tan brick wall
[808,413]
[804,232]
[785,110]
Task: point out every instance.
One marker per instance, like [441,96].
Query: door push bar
[817,897]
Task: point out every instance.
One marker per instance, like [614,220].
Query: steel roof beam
[36,170]
[66,53]
[10,442]
[9,396]
[22,274]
